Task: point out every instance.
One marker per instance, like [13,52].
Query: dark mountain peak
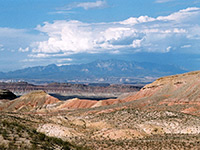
[51,66]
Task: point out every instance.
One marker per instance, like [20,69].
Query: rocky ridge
[66,91]
[29,102]
[178,93]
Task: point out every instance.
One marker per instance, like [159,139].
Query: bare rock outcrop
[7,94]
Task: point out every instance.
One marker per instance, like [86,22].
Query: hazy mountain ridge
[105,69]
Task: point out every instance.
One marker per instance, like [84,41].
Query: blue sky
[42,32]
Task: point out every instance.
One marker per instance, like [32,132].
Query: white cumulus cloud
[87,5]
[144,33]
[185,15]
[141,19]
[23,49]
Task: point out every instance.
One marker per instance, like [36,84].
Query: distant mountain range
[111,71]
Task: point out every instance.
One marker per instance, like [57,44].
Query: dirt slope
[34,100]
[178,92]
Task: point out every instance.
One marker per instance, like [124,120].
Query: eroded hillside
[177,93]
[162,115]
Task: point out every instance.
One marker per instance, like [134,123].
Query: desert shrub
[2,147]
[41,136]
[5,134]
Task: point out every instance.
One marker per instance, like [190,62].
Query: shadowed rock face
[6,94]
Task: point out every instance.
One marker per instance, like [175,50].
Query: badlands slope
[178,93]
[162,115]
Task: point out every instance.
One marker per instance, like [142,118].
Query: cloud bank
[143,34]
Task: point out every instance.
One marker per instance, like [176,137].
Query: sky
[64,32]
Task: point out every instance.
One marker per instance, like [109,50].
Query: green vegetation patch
[17,136]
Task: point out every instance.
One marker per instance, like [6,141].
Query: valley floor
[123,129]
